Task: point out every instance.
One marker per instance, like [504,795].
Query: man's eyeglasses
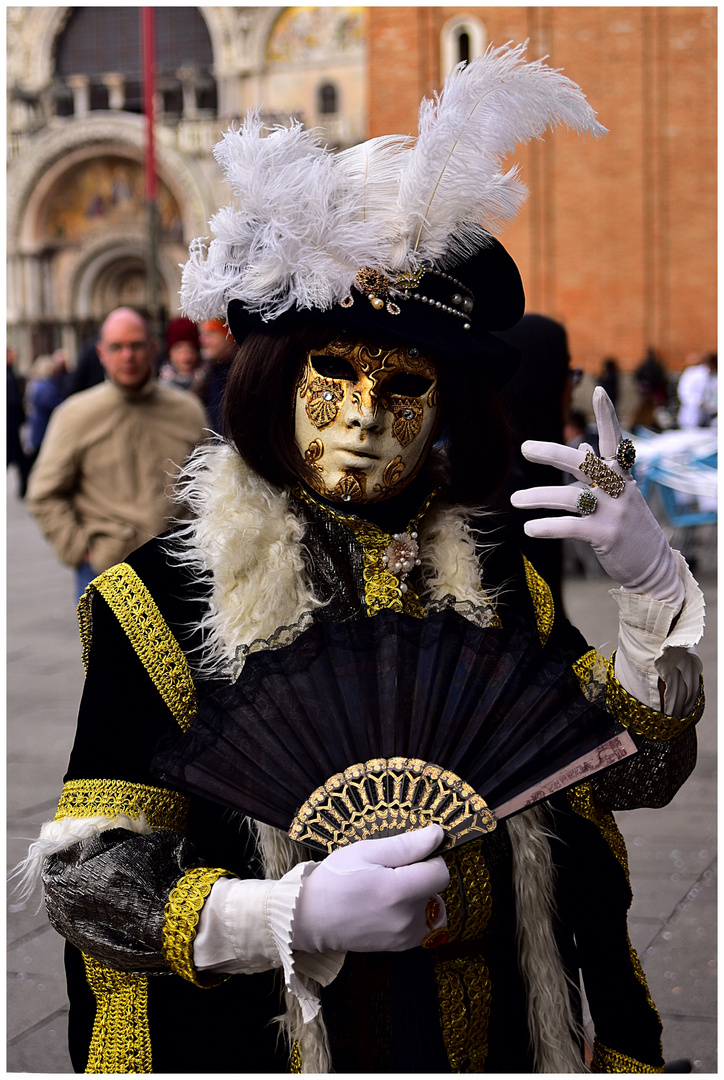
[115,347]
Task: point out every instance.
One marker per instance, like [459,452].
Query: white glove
[371,896]
[625,535]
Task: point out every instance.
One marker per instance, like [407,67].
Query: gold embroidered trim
[382,587]
[181,920]
[464,994]
[611,1061]
[463,983]
[121,1041]
[640,718]
[468,877]
[589,668]
[152,641]
[87,798]
[542,598]
[295,1065]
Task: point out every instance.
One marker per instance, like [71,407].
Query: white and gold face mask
[364,418]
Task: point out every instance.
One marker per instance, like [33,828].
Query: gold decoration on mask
[303,381]
[350,487]
[393,472]
[417,362]
[323,400]
[314,452]
[408,414]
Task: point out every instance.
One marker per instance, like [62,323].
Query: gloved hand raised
[625,535]
[371,896]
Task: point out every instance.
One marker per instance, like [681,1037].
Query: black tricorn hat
[447,313]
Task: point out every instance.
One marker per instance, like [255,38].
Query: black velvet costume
[128,903]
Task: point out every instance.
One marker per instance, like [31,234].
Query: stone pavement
[672,851]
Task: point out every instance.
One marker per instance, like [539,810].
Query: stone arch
[33,175]
[95,282]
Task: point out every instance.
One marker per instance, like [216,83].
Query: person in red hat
[183,367]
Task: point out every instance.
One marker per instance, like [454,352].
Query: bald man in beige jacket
[100,485]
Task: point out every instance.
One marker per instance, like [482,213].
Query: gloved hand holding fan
[370,896]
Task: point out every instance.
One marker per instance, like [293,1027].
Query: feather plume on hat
[308,218]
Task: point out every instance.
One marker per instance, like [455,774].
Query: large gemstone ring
[586,502]
[625,453]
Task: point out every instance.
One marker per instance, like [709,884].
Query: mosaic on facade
[104,193]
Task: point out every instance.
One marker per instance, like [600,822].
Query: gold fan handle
[387,796]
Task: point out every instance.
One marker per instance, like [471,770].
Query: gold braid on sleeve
[162,808]
[611,1061]
[642,720]
[181,921]
[590,670]
[146,629]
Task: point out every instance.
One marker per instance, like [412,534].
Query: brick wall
[618,237]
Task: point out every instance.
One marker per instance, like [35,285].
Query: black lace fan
[368,728]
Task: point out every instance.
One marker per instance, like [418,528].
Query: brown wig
[259,402]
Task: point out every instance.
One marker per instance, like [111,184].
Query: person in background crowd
[88,370]
[574,429]
[534,402]
[653,388]
[47,387]
[183,367]
[14,420]
[608,378]
[217,349]
[98,487]
[697,393]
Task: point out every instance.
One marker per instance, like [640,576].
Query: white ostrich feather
[307,219]
[452,185]
[301,233]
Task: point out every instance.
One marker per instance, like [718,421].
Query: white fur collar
[246,537]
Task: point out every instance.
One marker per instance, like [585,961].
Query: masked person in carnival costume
[362,434]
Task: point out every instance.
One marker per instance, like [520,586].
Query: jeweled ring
[436,937]
[586,502]
[601,476]
[625,453]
